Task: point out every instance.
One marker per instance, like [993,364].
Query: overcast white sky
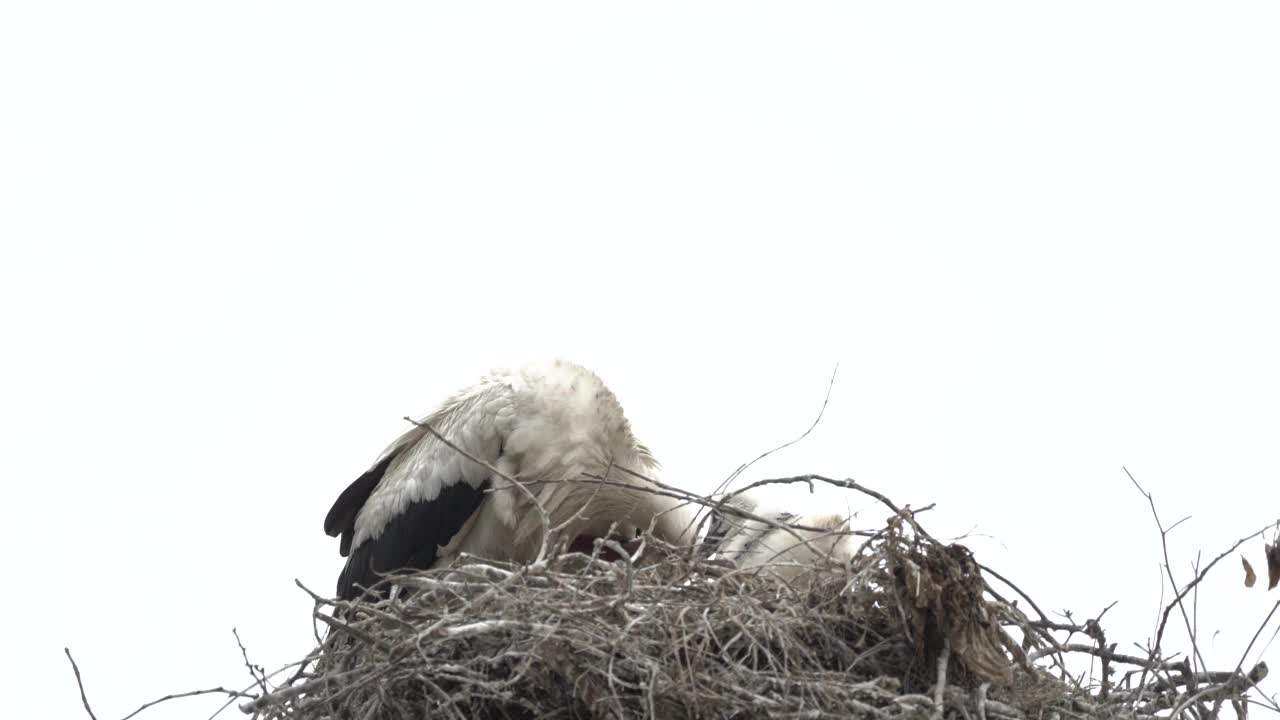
[242,240]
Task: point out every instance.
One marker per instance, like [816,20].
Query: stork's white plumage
[548,426]
[780,543]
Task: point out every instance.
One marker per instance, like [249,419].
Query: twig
[793,529]
[1044,619]
[194,693]
[743,468]
[300,664]
[1235,683]
[1098,652]
[939,690]
[1256,633]
[1168,569]
[848,484]
[280,695]
[254,670]
[83,698]
[336,624]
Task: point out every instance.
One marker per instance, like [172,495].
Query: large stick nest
[908,629]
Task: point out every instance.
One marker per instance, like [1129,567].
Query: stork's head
[734,521]
[752,530]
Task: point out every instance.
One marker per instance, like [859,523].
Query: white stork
[780,543]
[549,426]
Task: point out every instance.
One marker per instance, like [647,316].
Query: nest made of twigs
[903,630]
[905,627]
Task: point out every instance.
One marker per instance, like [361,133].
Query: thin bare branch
[821,411]
[80,684]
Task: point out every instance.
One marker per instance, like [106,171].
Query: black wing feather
[342,516]
[411,540]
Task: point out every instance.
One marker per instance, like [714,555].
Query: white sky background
[242,240]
